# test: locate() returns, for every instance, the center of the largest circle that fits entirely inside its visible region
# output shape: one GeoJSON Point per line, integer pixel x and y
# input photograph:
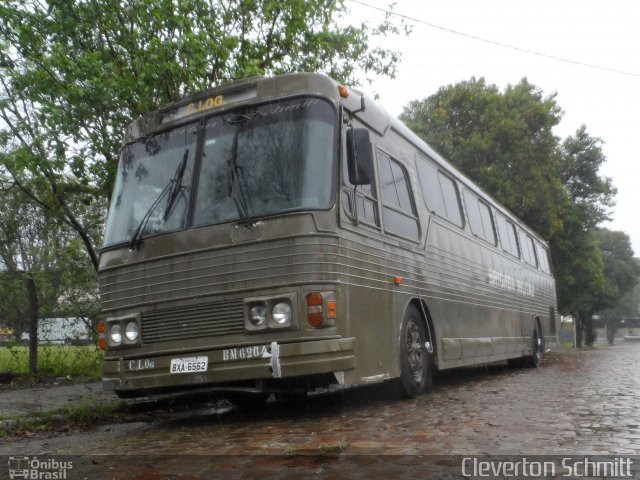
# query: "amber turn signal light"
{"type": "Point", "coordinates": [102, 341]}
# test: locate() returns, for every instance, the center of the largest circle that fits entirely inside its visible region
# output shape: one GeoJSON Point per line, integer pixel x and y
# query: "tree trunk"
{"type": "Point", "coordinates": [32, 295]}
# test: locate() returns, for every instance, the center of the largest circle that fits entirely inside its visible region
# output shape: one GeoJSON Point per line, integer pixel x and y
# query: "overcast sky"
{"type": "Point", "coordinates": [601, 33]}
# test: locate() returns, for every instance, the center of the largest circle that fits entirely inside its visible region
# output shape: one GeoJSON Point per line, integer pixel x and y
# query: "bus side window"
{"type": "Point", "coordinates": [543, 256]}
{"type": "Point", "coordinates": [528, 249]}
{"type": "Point", "coordinates": [508, 236]}
{"type": "Point", "coordinates": [365, 199]}
{"type": "Point", "coordinates": [398, 213]}
{"type": "Point", "coordinates": [480, 218]}
{"type": "Point", "coordinates": [439, 192]}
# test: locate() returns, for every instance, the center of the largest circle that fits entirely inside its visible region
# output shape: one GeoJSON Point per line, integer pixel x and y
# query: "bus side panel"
{"type": "Point", "coordinates": [483, 303]}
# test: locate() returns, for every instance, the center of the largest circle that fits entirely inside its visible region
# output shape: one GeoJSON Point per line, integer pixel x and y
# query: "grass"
{"type": "Point", "coordinates": [54, 361]}
{"type": "Point", "coordinates": [85, 415]}
{"type": "Point", "coordinates": [78, 362]}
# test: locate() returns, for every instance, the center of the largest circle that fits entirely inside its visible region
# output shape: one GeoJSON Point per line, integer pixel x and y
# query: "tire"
{"type": "Point", "coordinates": [415, 361]}
{"type": "Point", "coordinates": [533, 360]}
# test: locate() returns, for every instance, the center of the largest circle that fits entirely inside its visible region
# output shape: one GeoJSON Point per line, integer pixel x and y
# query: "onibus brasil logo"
{"type": "Point", "coordinates": [33, 468]}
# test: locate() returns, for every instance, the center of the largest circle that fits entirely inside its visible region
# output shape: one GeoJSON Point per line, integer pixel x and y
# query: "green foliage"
{"type": "Point", "coordinates": [579, 273]}
{"type": "Point", "coordinates": [55, 361]}
{"type": "Point", "coordinates": [87, 414]}
{"type": "Point", "coordinates": [621, 270]}
{"type": "Point", "coordinates": [629, 304]}
{"type": "Point", "coordinates": [590, 195]}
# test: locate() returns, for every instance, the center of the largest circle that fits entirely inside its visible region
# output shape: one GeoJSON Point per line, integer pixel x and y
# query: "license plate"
{"type": "Point", "coordinates": [245, 353]}
{"type": "Point", "coordinates": [189, 365]}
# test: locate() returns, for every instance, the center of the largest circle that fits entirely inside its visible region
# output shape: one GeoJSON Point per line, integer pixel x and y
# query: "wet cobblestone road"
{"type": "Point", "coordinates": [577, 403]}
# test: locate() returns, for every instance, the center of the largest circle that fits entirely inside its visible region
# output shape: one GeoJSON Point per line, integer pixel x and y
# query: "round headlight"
{"type": "Point", "coordinates": [131, 331]}
{"type": "Point", "coordinates": [281, 313]}
{"type": "Point", "coordinates": [115, 334]}
{"type": "Point", "coordinates": [258, 315]}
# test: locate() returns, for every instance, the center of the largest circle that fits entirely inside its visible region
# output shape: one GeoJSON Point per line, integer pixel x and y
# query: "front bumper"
{"type": "Point", "coordinates": [138, 376]}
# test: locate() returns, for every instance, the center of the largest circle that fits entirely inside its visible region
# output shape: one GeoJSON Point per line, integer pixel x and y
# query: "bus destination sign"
{"type": "Point", "coordinates": [208, 103]}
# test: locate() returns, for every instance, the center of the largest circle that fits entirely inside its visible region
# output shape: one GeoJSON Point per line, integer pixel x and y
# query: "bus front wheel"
{"type": "Point", "coordinates": [415, 365]}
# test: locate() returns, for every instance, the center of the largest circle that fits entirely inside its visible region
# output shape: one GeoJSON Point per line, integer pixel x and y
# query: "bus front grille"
{"type": "Point", "coordinates": [195, 321]}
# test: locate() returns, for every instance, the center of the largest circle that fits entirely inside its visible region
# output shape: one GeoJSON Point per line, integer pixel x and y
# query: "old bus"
{"type": "Point", "coordinates": [285, 234]}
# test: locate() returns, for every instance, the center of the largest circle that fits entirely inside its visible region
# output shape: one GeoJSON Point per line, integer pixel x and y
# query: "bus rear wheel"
{"type": "Point", "coordinates": [415, 365]}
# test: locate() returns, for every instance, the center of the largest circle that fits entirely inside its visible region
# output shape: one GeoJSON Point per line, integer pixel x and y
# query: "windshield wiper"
{"type": "Point", "coordinates": [239, 195]}
{"type": "Point", "coordinates": [172, 188]}
{"type": "Point", "coordinates": [175, 186]}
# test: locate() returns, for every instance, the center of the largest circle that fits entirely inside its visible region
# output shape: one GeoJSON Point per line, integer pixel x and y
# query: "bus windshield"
{"type": "Point", "coordinates": [253, 162]}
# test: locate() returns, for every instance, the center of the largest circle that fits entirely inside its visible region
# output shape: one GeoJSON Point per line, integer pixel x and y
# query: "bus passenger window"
{"type": "Point", "coordinates": [543, 256]}
{"type": "Point", "coordinates": [487, 221]}
{"type": "Point", "coordinates": [431, 191]}
{"type": "Point", "coordinates": [508, 237]}
{"type": "Point", "coordinates": [451, 200]}
{"type": "Point", "coordinates": [398, 215]}
{"type": "Point", "coordinates": [440, 192]}
{"type": "Point", "coordinates": [480, 218]}
{"type": "Point", "coordinates": [528, 249]}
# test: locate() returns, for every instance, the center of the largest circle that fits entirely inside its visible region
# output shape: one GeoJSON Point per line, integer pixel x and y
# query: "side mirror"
{"type": "Point", "coordinates": [359, 156]}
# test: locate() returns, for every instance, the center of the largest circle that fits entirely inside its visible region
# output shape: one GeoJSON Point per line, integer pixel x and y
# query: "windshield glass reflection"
{"type": "Point", "coordinates": [153, 186]}
{"type": "Point", "coordinates": [255, 162]}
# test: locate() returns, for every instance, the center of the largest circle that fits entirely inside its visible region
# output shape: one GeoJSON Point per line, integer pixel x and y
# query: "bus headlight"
{"type": "Point", "coordinates": [281, 313]}
{"type": "Point", "coordinates": [262, 314]}
{"type": "Point", "coordinates": [131, 331]}
{"type": "Point", "coordinates": [123, 331]}
{"type": "Point", "coordinates": [115, 334]}
{"type": "Point", "coordinates": [258, 316]}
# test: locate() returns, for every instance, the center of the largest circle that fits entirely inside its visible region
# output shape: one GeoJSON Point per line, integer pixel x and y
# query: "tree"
{"type": "Point", "coordinates": [627, 307]}
{"type": "Point", "coordinates": [42, 266]}
{"type": "Point", "coordinates": [590, 195]}
{"type": "Point", "coordinates": [504, 142]}
{"type": "Point", "coordinates": [580, 274]}
{"type": "Point", "coordinates": [620, 268]}
{"type": "Point", "coordinates": [21, 251]}
{"type": "Point", "coordinates": [621, 273]}
{"type": "Point", "coordinates": [74, 73]}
